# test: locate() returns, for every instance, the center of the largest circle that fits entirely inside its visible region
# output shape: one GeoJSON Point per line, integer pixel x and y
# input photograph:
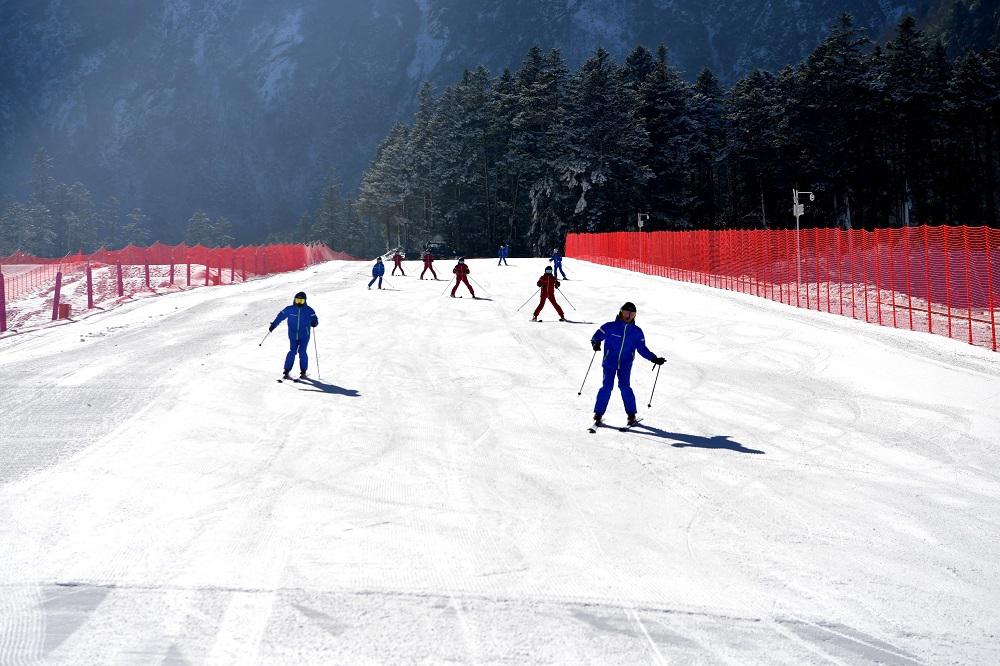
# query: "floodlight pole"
{"type": "Point", "coordinates": [798, 210]}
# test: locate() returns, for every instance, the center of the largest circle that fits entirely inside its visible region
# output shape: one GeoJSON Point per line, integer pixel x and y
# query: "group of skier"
{"type": "Point", "coordinates": [622, 338]}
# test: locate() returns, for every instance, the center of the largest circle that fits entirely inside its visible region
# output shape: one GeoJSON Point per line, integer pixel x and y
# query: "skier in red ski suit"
{"type": "Point", "coordinates": [428, 260]}
{"type": "Point", "coordinates": [398, 260]}
{"type": "Point", "coordinates": [461, 272]}
{"type": "Point", "coordinates": [549, 284]}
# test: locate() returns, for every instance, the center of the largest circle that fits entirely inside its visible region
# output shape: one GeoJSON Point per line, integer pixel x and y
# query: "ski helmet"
{"type": "Point", "coordinates": [628, 307]}
{"type": "Point", "coordinates": [300, 298]}
{"type": "Point", "coordinates": [461, 260]}
{"type": "Point", "coordinates": [548, 269]}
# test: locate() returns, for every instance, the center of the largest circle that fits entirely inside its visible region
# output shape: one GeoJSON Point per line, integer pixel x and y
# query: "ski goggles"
{"type": "Point", "coordinates": [299, 301]}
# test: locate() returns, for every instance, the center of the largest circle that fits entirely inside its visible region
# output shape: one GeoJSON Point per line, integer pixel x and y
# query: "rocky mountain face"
{"type": "Point", "coordinates": [242, 107]}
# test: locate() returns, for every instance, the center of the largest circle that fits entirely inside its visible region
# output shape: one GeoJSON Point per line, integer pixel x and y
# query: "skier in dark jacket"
{"type": "Point", "coordinates": [378, 270]}
{"type": "Point", "coordinates": [461, 272]}
{"type": "Point", "coordinates": [428, 264]}
{"type": "Point", "coordinates": [301, 320]}
{"type": "Point", "coordinates": [557, 264]}
{"type": "Point", "coordinates": [502, 254]}
{"type": "Point", "coordinates": [397, 259]}
{"type": "Point", "coordinates": [623, 339]}
{"type": "Point", "coordinates": [548, 284]}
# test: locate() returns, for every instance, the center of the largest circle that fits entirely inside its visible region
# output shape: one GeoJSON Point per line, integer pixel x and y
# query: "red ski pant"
{"type": "Point", "coordinates": [552, 299]}
{"type": "Point", "coordinates": [428, 267]}
{"type": "Point", "coordinates": [459, 281]}
{"type": "Point", "coordinates": [400, 269]}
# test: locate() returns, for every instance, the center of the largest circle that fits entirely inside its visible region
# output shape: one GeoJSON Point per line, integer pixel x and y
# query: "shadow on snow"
{"type": "Point", "coordinates": [322, 387]}
{"type": "Point", "coordinates": [683, 440]}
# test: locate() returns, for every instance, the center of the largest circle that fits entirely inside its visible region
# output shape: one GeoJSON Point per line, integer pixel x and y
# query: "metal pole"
{"type": "Point", "coordinates": [654, 386]}
{"type": "Point", "coordinates": [263, 338]}
{"type": "Point", "coordinates": [529, 298]}
{"type": "Point", "coordinates": [319, 375]}
{"type": "Point", "coordinates": [567, 299]}
{"type": "Point", "coordinates": [580, 392]}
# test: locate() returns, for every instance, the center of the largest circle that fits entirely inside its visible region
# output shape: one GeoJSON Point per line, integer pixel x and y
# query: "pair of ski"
{"type": "Point", "coordinates": [594, 426]}
{"type": "Point", "coordinates": [297, 380]}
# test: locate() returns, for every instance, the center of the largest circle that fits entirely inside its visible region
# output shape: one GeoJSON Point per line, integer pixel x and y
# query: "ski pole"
{"type": "Point", "coordinates": [529, 298]}
{"type": "Point", "coordinates": [479, 285]}
{"type": "Point", "coordinates": [567, 299]}
{"type": "Point", "coordinates": [448, 285]}
{"type": "Point", "coordinates": [580, 392]}
{"type": "Point", "coordinates": [654, 386]}
{"type": "Point", "coordinates": [261, 343]}
{"type": "Point", "coordinates": [319, 375]}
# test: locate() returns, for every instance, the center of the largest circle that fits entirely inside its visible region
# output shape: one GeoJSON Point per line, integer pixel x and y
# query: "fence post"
{"type": "Point", "coordinates": [145, 267]}
{"type": "Point", "coordinates": [909, 281]}
{"type": "Point", "coordinates": [171, 272]}
{"type": "Point", "coordinates": [878, 278]}
{"type": "Point", "coordinates": [947, 278]}
{"type": "Point", "coordinates": [989, 284]}
{"type": "Point", "coordinates": [90, 288]}
{"type": "Point", "coordinates": [121, 281]}
{"type": "Point", "coordinates": [927, 277]}
{"type": "Point", "coordinates": [3, 303]}
{"type": "Point", "coordinates": [968, 278]}
{"type": "Point", "coordinates": [55, 297]}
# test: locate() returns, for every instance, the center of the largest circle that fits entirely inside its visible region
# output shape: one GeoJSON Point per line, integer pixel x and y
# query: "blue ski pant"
{"type": "Point", "coordinates": [557, 270]}
{"type": "Point", "coordinates": [297, 347]}
{"type": "Point", "coordinates": [377, 277]}
{"type": "Point", "coordinates": [604, 395]}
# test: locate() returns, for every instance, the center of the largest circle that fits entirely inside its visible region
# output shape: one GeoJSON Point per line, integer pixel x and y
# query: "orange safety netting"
{"type": "Point", "coordinates": [118, 274]}
{"type": "Point", "coordinates": [944, 280]}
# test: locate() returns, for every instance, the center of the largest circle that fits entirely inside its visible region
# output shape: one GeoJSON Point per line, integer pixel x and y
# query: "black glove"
{"type": "Point", "coordinates": [270, 328]}
{"type": "Point", "coordinates": [314, 324]}
{"type": "Point", "coordinates": [596, 344]}
{"type": "Point", "coordinates": [659, 360]}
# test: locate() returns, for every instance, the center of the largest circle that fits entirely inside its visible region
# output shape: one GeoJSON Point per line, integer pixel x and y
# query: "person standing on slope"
{"type": "Point", "coordinates": [503, 253]}
{"type": "Point", "coordinates": [557, 264]}
{"type": "Point", "coordinates": [623, 339]}
{"type": "Point", "coordinates": [461, 272]}
{"type": "Point", "coordinates": [378, 270]}
{"type": "Point", "coordinates": [301, 320]}
{"type": "Point", "coordinates": [397, 259]}
{"type": "Point", "coordinates": [548, 284]}
{"type": "Point", "coordinates": [428, 264]}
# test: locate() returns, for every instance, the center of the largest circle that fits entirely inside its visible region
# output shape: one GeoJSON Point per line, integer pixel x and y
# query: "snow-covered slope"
{"type": "Point", "coordinates": [809, 489]}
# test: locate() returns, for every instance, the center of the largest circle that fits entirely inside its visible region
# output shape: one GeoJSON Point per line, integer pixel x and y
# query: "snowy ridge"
{"type": "Point", "coordinates": [432, 495]}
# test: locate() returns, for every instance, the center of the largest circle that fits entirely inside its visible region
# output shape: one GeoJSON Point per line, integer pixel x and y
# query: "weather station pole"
{"type": "Point", "coordinates": [640, 219]}
{"type": "Point", "coordinates": [798, 210]}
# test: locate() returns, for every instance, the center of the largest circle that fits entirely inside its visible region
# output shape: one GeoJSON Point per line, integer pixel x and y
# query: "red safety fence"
{"type": "Point", "coordinates": [944, 280]}
{"type": "Point", "coordinates": [111, 276]}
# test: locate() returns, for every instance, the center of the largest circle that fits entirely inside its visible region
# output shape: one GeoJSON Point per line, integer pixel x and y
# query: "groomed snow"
{"type": "Point", "coordinates": [809, 489]}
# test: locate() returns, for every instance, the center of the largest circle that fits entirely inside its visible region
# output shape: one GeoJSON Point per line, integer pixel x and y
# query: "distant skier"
{"type": "Point", "coordinates": [428, 264]}
{"type": "Point", "coordinates": [557, 264]}
{"type": "Point", "coordinates": [461, 272]}
{"type": "Point", "coordinates": [378, 270]}
{"type": "Point", "coordinates": [301, 319]}
{"type": "Point", "coordinates": [624, 339]}
{"type": "Point", "coordinates": [548, 284]}
{"type": "Point", "coordinates": [397, 259]}
{"type": "Point", "coordinates": [503, 253]}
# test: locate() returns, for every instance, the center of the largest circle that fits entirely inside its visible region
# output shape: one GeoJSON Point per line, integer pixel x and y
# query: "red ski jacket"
{"type": "Point", "coordinates": [428, 258]}
{"type": "Point", "coordinates": [549, 284]}
{"type": "Point", "coordinates": [398, 258]}
{"type": "Point", "coordinates": [461, 270]}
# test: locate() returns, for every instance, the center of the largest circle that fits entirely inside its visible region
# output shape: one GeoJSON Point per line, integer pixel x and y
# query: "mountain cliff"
{"type": "Point", "coordinates": [242, 107]}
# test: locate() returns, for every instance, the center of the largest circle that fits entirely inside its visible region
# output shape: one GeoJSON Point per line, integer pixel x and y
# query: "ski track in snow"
{"type": "Point", "coordinates": [805, 488]}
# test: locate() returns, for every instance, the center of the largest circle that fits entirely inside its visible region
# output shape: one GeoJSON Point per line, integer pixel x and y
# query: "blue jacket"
{"type": "Point", "coordinates": [300, 319]}
{"type": "Point", "coordinates": [556, 259]}
{"type": "Point", "coordinates": [378, 269]}
{"type": "Point", "coordinates": [622, 341]}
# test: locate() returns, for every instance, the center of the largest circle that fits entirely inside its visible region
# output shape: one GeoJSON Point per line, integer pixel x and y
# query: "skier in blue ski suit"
{"type": "Point", "coordinates": [503, 253]}
{"type": "Point", "coordinates": [378, 270]}
{"type": "Point", "coordinates": [301, 319]}
{"type": "Point", "coordinates": [557, 264]}
{"type": "Point", "coordinates": [623, 339]}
